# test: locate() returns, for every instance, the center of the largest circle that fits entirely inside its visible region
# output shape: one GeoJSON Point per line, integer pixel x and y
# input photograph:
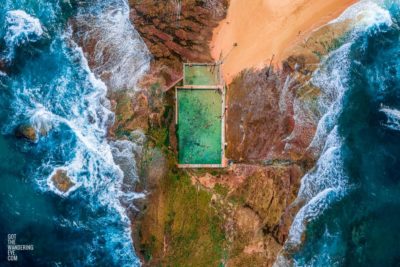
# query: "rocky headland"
{"type": "Point", "coordinates": [238, 216]}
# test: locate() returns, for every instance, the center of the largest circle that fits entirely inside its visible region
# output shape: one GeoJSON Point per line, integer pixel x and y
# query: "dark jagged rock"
{"type": "Point", "coordinates": [3, 66]}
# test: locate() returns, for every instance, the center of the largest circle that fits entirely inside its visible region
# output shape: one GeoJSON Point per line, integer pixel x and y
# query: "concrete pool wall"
{"type": "Point", "coordinates": [200, 117]}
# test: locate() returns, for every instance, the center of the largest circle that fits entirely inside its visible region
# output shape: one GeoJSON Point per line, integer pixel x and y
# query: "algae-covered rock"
{"type": "Point", "coordinates": [62, 181]}
{"type": "Point", "coordinates": [131, 112]}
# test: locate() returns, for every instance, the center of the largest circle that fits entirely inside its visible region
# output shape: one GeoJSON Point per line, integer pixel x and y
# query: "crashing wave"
{"type": "Point", "coordinates": [58, 95]}
{"type": "Point", "coordinates": [79, 113]}
{"type": "Point", "coordinates": [393, 118]}
{"type": "Point", "coordinates": [119, 56]}
{"type": "Point", "coordinates": [21, 28]}
{"type": "Point", "coordinates": [94, 167]}
{"type": "Point", "coordinates": [327, 183]}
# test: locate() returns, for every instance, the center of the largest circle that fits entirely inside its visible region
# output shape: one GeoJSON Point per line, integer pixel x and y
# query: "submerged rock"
{"type": "Point", "coordinates": [26, 131]}
{"type": "Point", "coordinates": [3, 67]}
{"type": "Point", "coordinates": [62, 181]}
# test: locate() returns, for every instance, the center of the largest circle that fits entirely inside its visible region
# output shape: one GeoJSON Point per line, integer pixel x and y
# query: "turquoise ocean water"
{"type": "Point", "coordinates": [46, 82]}
{"type": "Point", "coordinates": [352, 211]}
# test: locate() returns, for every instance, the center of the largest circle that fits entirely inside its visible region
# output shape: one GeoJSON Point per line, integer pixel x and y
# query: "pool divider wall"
{"type": "Point", "coordinates": [221, 88]}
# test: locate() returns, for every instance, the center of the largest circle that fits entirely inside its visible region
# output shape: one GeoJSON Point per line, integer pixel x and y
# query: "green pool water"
{"type": "Point", "coordinates": [199, 126]}
{"type": "Point", "coordinates": [202, 75]}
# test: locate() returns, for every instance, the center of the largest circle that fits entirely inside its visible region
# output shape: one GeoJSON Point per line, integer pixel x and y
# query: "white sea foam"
{"type": "Point", "coordinates": [365, 14]}
{"type": "Point", "coordinates": [127, 62]}
{"type": "Point", "coordinates": [320, 187]}
{"type": "Point", "coordinates": [92, 168]}
{"type": "Point", "coordinates": [393, 118]}
{"type": "Point", "coordinates": [120, 55]}
{"type": "Point", "coordinates": [327, 182]}
{"type": "Point", "coordinates": [123, 152]}
{"type": "Point", "coordinates": [332, 80]}
{"type": "Point", "coordinates": [105, 177]}
{"type": "Point", "coordinates": [72, 104]}
{"type": "Point", "coordinates": [20, 28]}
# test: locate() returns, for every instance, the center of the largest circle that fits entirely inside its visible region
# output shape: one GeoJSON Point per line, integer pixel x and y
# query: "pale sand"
{"type": "Point", "coordinates": [263, 28]}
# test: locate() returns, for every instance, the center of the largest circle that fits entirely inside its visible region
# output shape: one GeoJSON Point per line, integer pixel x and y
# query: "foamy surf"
{"type": "Point", "coordinates": [57, 94]}
{"type": "Point", "coordinates": [21, 28]}
{"type": "Point", "coordinates": [393, 118]}
{"type": "Point", "coordinates": [328, 182]}
{"type": "Point", "coordinates": [320, 188]}
{"type": "Point", "coordinates": [120, 56]}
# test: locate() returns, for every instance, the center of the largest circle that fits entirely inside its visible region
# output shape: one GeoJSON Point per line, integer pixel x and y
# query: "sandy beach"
{"type": "Point", "coordinates": [263, 29]}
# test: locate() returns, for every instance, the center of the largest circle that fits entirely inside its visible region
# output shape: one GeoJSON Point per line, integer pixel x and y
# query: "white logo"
{"type": "Point", "coordinates": [13, 247]}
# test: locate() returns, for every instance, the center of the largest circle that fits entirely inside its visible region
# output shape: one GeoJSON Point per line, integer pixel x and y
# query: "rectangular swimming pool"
{"type": "Point", "coordinates": [200, 126]}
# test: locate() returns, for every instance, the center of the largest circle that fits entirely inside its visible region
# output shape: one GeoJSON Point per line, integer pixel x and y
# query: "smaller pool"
{"type": "Point", "coordinates": [201, 74]}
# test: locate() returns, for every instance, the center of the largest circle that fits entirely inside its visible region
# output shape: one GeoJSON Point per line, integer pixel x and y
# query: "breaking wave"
{"type": "Point", "coordinates": [54, 91]}
{"type": "Point", "coordinates": [119, 55]}
{"type": "Point", "coordinates": [328, 182]}
{"type": "Point", "coordinates": [393, 118]}
{"type": "Point", "coordinates": [21, 28]}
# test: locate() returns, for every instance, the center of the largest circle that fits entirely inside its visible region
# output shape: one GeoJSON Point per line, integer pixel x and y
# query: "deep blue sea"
{"type": "Point", "coordinates": [45, 82]}
{"type": "Point", "coordinates": [352, 211]}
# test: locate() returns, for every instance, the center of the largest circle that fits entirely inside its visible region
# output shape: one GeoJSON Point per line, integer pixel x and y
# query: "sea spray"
{"type": "Point", "coordinates": [21, 28]}
{"type": "Point", "coordinates": [328, 183]}
{"type": "Point", "coordinates": [119, 57]}
{"type": "Point", "coordinates": [51, 87]}
{"type": "Point", "coordinates": [393, 118]}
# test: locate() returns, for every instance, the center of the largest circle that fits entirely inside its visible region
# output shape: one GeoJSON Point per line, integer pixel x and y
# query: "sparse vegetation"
{"type": "Point", "coordinates": [180, 226]}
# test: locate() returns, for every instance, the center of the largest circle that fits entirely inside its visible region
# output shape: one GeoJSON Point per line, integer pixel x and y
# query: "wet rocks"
{"type": "Point", "coordinates": [177, 31]}
{"type": "Point", "coordinates": [61, 181]}
{"type": "Point", "coordinates": [114, 50]}
{"type": "Point", "coordinates": [132, 112]}
{"type": "Point", "coordinates": [27, 132]}
{"type": "Point", "coordinates": [260, 116]}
